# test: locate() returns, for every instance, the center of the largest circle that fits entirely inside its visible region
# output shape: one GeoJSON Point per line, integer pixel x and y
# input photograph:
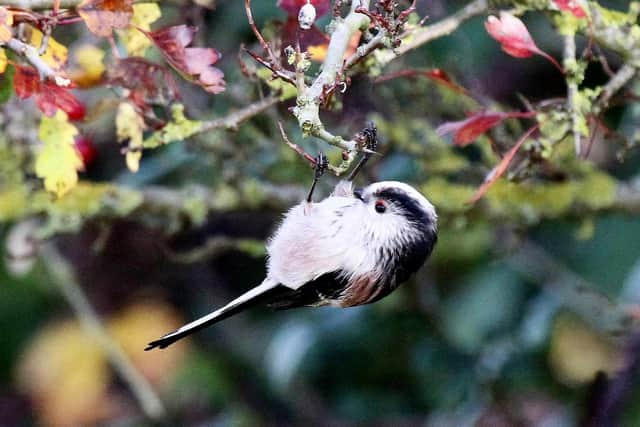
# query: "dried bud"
{"type": "Point", "coordinates": [307, 16]}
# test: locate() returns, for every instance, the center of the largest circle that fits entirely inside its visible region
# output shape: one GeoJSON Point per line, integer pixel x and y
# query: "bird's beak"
{"type": "Point", "coordinates": [357, 193]}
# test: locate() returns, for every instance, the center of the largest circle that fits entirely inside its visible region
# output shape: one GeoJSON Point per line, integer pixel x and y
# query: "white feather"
{"type": "Point", "coordinates": [266, 285]}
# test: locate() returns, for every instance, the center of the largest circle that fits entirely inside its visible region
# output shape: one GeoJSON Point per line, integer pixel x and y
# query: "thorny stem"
{"type": "Point", "coordinates": [572, 90]}
{"type": "Point", "coordinates": [63, 276]}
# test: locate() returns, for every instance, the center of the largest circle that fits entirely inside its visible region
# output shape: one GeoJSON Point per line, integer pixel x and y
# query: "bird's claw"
{"type": "Point", "coordinates": [367, 140]}
{"type": "Point", "coordinates": [322, 164]}
{"type": "Point", "coordinates": [369, 135]}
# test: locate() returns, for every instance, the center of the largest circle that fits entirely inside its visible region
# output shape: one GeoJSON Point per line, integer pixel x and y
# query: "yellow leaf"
{"type": "Point", "coordinates": [129, 126]}
{"type": "Point", "coordinates": [3, 61]}
{"type": "Point", "coordinates": [56, 54]}
{"type": "Point", "coordinates": [143, 15]}
{"type": "Point", "coordinates": [577, 353]}
{"type": "Point", "coordinates": [58, 161]}
{"type": "Point", "coordinates": [89, 60]}
{"type": "Point", "coordinates": [6, 21]}
{"type": "Point", "coordinates": [135, 324]}
{"type": "Point", "coordinates": [65, 371]}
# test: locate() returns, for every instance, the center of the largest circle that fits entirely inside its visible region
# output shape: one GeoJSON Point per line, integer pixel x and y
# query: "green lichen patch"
{"type": "Point", "coordinates": [178, 129]}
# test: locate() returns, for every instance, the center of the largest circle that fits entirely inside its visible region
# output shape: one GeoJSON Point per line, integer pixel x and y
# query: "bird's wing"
{"type": "Point", "coordinates": [324, 290]}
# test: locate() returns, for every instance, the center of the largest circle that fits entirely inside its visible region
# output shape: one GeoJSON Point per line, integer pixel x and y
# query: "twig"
{"type": "Point", "coordinates": [337, 170]}
{"type": "Point", "coordinates": [233, 120]}
{"type": "Point", "coordinates": [295, 147]}
{"type": "Point", "coordinates": [212, 247]}
{"type": "Point", "coordinates": [40, 4]}
{"type": "Point", "coordinates": [365, 49]}
{"type": "Point", "coordinates": [64, 278]}
{"type": "Point", "coordinates": [278, 72]}
{"type": "Point", "coordinates": [418, 37]}
{"type": "Point", "coordinates": [273, 64]}
{"type": "Point", "coordinates": [617, 82]}
{"type": "Point", "coordinates": [31, 54]}
{"type": "Point", "coordinates": [254, 28]}
{"type": "Point", "coordinates": [572, 89]}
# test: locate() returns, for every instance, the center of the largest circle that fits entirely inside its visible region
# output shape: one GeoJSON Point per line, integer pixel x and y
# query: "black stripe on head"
{"type": "Point", "coordinates": [411, 207]}
{"type": "Point", "coordinates": [412, 256]}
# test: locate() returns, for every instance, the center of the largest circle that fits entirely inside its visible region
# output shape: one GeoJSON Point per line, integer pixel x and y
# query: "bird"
{"type": "Point", "coordinates": [354, 247]}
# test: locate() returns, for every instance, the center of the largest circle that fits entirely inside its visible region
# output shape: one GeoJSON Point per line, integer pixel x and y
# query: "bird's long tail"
{"type": "Point", "coordinates": [265, 292]}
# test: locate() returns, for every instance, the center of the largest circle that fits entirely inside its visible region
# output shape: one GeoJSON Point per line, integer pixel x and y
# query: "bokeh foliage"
{"type": "Point", "coordinates": [530, 293]}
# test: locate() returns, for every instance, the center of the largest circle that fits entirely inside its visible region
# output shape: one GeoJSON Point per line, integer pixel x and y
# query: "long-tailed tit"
{"type": "Point", "coordinates": [352, 248]}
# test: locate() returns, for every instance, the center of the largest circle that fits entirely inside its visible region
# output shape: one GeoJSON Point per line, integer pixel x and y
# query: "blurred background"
{"type": "Point", "coordinates": [522, 317]}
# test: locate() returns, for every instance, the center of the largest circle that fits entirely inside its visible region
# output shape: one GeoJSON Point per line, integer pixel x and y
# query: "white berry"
{"type": "Point", "coordinates": [306, 16]}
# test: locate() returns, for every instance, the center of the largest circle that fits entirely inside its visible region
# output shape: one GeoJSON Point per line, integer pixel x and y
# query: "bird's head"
{"type": "Point", "coordinates": [399, 220]}
{"type": "Point", "coordinates": [392, 205]}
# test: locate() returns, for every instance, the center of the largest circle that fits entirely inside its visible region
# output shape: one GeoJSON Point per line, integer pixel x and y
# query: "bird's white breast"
{"type": "Point", "coordinates": [318, 238]}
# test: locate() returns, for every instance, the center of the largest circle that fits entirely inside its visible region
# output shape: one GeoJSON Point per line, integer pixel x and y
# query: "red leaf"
{"type": "Point", "coordinates": [512, 34]}
{"type": "Point", "coordinates": [103, 16]}
{"type": "Point", "coordinates": [48, 95]}
{"type": "Point", "coordinates": [150, 81]}
{"type": "Point", "coordinates": [467, 131]}
{"type": "Point", "coordinates": [571, 6]}
{"type": "Point", "coordinates": [194, 63]}
{"type": "Point", "coordinates": [499, 170]}
{"type": "Point", "coordinates": [439, 76]}
{"type": "Point", "coordinates": [292, 7]}
{"type": "Point", "coordinates": [436, 74]}
{"type": "Point", "coordinates": [26, 82]}
{"type": "Point", "coordinates": [514, 37]}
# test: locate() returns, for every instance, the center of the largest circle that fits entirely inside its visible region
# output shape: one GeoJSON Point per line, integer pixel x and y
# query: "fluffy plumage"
{"type": "Point", "coordinates": [349, 249]}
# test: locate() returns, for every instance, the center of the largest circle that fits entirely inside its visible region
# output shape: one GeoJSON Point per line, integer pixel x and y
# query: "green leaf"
{"type": "Point", "coordinates": [6, 84]}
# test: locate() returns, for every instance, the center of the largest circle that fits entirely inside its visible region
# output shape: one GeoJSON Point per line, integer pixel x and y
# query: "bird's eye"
{"type": "Point", "coordinates": [380, 206]}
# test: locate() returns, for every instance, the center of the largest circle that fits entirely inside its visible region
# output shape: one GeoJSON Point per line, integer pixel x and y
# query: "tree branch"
{"type": "Point", "coordinates": [32, 55]}
{"type": "Point", "coordinates": [63, 277]}
{"type": "Point", "coordinates": [40, 4]}
{"type": "Point", "coordinates": [420, 36]}
{"type": "Point", "coordinates": [234, 119]}
{"type": "Point", "coordinates": [617, 82]}
{"type": "Point", "coordinates": [572, 89]}
{"type": "Point", "coordinates": [307, 109]}
{"type": "Point", "coordinates": [49, 4]}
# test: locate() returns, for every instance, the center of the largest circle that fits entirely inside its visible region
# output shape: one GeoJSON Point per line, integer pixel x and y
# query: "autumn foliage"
{"type": "Point", "coordinates": [153, 146]}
